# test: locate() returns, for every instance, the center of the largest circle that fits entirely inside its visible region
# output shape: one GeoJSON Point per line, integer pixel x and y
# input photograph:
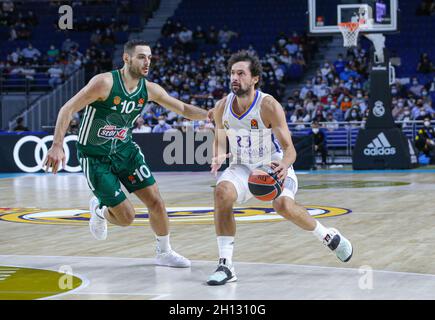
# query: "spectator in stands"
{"type": "Point", "coordinates": [141, 126]}
{"type": "Point", "coordinates": [186, 125]}
{"type": "Point", "coordinates": [52, 54]}
{"type": "Point", "coordinates": [13, 34]}
{"type": "Point", "coordinates": [415, 87]}
{"type": "Point", "coordinates": [68, 44]}
{"type": "Point", "coordinates": [23, 31]}
{"type": "Point", "coordinates": [348, 74]}
{"type": "Point", "coordinates": [353, 116]}
{"type": "Point", "coordinates": [185, 38]}
{"type": "Point", "coordinates": [300, 115]}
{"type": "Point", "coordinates": [212, 35]}
{"type": "Point", "coordinates": [319, 141]}
{"type": "Point", "coordinates": [339, 64]}
{"type": "Point", "coordinates": [29, 72]}
{"type": "Point", "coordinates": [31, 19]}
{"type": "Point", "coordinates": [162, 126]}
{"type": "Point", "coordinates": [168, 28]}
{"type": "Point", "coordinates": [345, 104]}
{"type": "Point", "coordinates": [425, 65]}
{"type": "Point", "coordinates": [20, 125]}
{"type": "Point", "coordinates": [73, 65]}
{"type": "Point", "coordinates": [405, 117]}
{"type": "Point", "coordinates": [108, 37]}
{"type": "Point", "coordinates": [336, 112]}
{"type": "Point", "coordinates": [199, 36]}
{"type": "Point", "coordinates": [425, 139]}
{"type": "Point", "coordinates": [318, 116]}
{"type": "Point", "coordinates": [31, 54]}
{"type": "Point", "coordinates": [305, 89]}
{"type": "Point", "coordinates": [292, 47]}
{"type": "Point", "coordinates": [96, 37]}
{"type": "Point", "coordinates": [327, 71]}
{"type": "Point", "coordinates": [225, 35]}
{"type": "Point", "coordinates": [105, 62]}
{"type": "Point", "coordinates": [15, 57]}
{"type": "Point", "coordinates": [56, 74]}
{"type": "Point", "coordinates": [332, 124]}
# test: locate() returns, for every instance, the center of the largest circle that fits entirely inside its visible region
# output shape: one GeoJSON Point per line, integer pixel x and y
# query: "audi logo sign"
{"type": "Point", "coordinates": [41, 145]}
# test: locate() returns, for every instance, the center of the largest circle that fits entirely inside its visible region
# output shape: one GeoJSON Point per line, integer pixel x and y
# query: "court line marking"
{"type": "Point", "coordinates": [236, 263]}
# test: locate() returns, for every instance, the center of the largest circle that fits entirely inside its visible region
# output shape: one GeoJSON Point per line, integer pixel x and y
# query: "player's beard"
{"type": "Point", "coordinates": [240, 92]}
{"type": "Point", "coordinates": [134, 71]}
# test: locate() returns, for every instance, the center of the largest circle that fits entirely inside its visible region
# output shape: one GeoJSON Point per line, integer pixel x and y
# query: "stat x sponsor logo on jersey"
{"type": "Point", "coordinates": [112, 132]}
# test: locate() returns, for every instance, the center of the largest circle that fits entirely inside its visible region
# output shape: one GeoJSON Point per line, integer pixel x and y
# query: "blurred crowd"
{"type": "Point", "coordinates": [203, 80]}
{"type": "Point", "coordinates": [340, 92]}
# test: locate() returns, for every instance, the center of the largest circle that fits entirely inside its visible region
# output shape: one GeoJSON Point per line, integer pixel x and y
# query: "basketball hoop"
{"type": "Point", "coordinates": [350, 31]}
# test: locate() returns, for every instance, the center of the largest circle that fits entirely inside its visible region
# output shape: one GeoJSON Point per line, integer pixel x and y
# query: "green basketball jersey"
{"type": "Point", "coordinates": [106, 126]}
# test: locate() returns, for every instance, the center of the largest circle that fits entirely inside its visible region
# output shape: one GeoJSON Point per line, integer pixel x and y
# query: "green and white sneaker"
{"type": "Point", "coordinates": [338, 244]}
{"type": "Point", "coordinates": [223, 274]}
{"type": "Point", "coordinates": [97, 223]}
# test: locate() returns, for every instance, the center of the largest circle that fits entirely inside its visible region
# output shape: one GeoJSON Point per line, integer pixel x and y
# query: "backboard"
{"type": "Point", "coordinates": [374, 16]}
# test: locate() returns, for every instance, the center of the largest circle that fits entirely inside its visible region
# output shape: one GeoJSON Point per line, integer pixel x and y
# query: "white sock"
{"type": "Point", "coordinates": [226, 246]}
{"type": "Point", "coordinates": [320, 231]}
{"type": "Point", "coordinates": [163, 244]}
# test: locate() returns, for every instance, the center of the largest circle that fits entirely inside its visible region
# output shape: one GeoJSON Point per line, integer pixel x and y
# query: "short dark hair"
{"type": "Point", "coordinates": [255, 65]}
{"type": "Point", "coordinates": [132, 44]}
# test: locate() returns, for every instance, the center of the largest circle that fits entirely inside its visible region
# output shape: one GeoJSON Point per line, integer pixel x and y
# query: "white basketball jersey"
{"type": "Point", "coordinates": [251, 142]}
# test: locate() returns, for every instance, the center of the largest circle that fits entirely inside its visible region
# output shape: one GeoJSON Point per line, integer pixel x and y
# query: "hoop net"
{"type": "Point", "coordinates": [350, 31]}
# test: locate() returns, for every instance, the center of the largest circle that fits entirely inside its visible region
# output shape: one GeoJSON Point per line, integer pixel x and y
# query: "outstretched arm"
{"type": "Point", "coordinates": [97, 89]}
{"type": "Point", "coordinates": [220, 139]}
{"type": "Point", "coordinates": [157, 94]}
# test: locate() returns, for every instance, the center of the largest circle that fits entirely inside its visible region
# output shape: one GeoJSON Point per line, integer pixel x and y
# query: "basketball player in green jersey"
{"type": "Point", "coordinates": [107, 154]}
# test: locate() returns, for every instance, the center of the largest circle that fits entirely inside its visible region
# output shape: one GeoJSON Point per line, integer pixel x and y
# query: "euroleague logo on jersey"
{"type": "Point", "coordinates": [117, 100]}
{"type": "Point", "coordinates": [112, 132]}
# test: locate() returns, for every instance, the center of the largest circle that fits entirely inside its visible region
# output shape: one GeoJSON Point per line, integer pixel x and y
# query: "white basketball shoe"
{"type": "Point", "coordinates": [97, 223]}
{"type": "Point", "coordinates": [223, 274]}
{"type": "Point", "coordinates": [342, 247]}
{"type": "Point", "coordinates": [172, 259]}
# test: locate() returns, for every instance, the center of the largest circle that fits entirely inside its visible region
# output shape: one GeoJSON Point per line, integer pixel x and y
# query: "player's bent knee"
{"type": "Point", "coordinates": [286, 207]}
{"type": "Point", "coordinates": [225, 193]}
{"type": "Point", "coordinates": [124, 213]}
{"type": "Point", "coordinates": [156, 205]}
{"type": "Point", "coordinates": [126, 218]}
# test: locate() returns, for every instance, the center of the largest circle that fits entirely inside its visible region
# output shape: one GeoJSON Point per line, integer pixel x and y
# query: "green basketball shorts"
{"type": "Point", "coordinates": [105, 173]}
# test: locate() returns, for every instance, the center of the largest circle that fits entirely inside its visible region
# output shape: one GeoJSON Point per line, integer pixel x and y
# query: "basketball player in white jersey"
{"type": "Point", "coordinates": [240, 116]}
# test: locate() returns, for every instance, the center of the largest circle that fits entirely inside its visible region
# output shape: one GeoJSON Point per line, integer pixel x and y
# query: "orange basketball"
{"type": "Point", "coordinates": [264, 184]}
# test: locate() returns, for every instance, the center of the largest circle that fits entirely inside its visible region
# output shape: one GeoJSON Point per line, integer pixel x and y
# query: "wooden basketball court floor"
{"type": "Point", "coordinates": [388, 215]}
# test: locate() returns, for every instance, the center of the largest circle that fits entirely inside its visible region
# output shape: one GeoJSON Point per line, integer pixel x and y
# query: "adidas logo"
{"type": "Point", "coordinates": [379, 147]}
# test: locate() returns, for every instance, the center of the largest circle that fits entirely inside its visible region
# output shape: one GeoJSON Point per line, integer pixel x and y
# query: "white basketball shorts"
{"type": "Point", "coordinates": [238, 175]}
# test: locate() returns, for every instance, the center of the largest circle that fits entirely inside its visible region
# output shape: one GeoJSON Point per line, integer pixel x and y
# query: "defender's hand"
{"type": "Point", "coordinates": [216, 162]}
{"type": "Point", "coordinates": [210, 114]}
{"type": "Point", "coordinates": [55, 156]}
